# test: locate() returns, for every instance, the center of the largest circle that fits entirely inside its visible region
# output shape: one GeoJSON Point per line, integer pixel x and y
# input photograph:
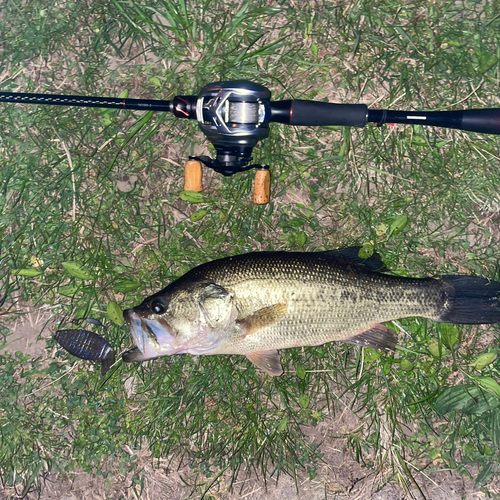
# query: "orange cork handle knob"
{"type": "Point", "coordinates": [262, 186]}
{"type": "Point", "coordinates": [193, 176]}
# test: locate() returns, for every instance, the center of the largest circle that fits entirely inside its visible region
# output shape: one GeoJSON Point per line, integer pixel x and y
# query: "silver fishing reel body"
{"type": "Point", "coordinates": [234, 116]}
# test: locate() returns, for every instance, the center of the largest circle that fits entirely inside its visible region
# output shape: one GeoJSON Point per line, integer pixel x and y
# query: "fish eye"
{"type": "Point", "coordinates": [158, 306]}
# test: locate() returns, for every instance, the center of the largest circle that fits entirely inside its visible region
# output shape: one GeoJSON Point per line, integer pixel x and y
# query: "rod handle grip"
{"type": "Point", "coordinates": [262, 186]}
{"type": "Point", "coordinates": [318, 113]}
{"type": "Point", "coordinates": [193, 176]}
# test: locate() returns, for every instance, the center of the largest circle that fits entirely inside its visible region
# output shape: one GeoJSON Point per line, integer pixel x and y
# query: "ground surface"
{"type": "Point", "coordinates": [332, 188]}
{"type": "Point", "coordinates": [338, 477]}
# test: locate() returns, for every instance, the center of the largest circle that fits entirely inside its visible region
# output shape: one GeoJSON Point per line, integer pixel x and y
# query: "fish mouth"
{"type": "Point", "coordinates": [155, 338]}
{"type": "Point", "coordinates": [133, 321]}
{"type": "Point", "coordinates": [152, 337]}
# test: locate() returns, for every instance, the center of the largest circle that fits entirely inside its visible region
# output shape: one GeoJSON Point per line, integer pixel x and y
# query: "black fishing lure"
{"type": "Point", "coordinates": [87, 345]}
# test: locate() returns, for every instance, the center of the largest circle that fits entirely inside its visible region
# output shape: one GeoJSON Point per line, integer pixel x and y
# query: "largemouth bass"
{"type": "Point", "coordinates": [257, 303]}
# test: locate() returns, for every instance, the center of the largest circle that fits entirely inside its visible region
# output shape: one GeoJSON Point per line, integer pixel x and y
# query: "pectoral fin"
{"type": "Point", "coordinates": [262, 318]}
{"type": "Point", "coordinates": [269, 361]}
{"type": "Point", "coordinates": [378, 337]}
{"type": "Point", "coordinates": [134, 355]}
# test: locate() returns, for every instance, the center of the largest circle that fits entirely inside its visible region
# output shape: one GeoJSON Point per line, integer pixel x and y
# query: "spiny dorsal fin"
{"type": "Point", "coordinates": [378, 337]}
{"type": "Point", "coordinates": [374, 263]}
{"type": "Point", "coordinates": [269, 361]}
{"type": "Point", "coordinates": [263, 317]}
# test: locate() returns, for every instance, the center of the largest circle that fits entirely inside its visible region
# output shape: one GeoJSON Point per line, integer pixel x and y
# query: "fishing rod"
{"type": "Point", "coordinates": [236, 115]}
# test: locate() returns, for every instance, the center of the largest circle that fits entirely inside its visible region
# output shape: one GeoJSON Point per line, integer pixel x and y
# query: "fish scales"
{"type": "Point", "coordinates": [255, 304]}
{"type": "Point", "coordinates": [327, 300]}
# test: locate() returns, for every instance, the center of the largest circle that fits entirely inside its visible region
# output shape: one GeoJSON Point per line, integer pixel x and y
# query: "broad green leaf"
{"type": "Point", "coordinates": [486, 474]}
{"type": "Point", "coordinates": [366, 251]}
{"type": "Point", "coordinates": [484, 403]}
{"type": "Point", "coordinates": [192, 197]}
{"type": "Point", "coordinates": [489, 384]}
{"type": "Point", "coordinates": [223, 217]}
{"type": "Point", "coordinates": [115, 313]}
{"type": "Point", "coordinates": [123, 95]}
{"type": "Point", "coordinates": [106, 120]}
{"type": "Point", "coordinates": [397, 225]}
{"type": "Point", "coordinates": [76, 270]}
{"type": "Point", "coordinates": [155, 81]}
{"type": "Point", "coordinates": [486, 61]}
{"type": "Point", "coordinates": [469, 398]}
{"type": "Point", "coordinates": [128, 284]}
{"type": "Point", "coordinates": [282, 425]}
{"type": "Point", "coordinates": [28, 271]}
{"type": "Point", "coordinates": [371, 354]}
{"type": "Point", "coordinates": [484, 360]}
{"type": "Point", "coordinates": [198, 215]}
{"type": "Point", "coordinates": [296, 222]}
{"type": "Point", "coordinates": [449, 334]}
{"type": "Point", "coordinates": [301, 372]}
{"type": "Point", "coordinates": [455, 398]}
{"type": "Point", "coordinates": [406, 365]}
{"type": "Point", "coordinates": [302, 239]}
{"type": "Point", "coordinates": [314, 49]}
{"type": "Point", "coordinates": [416, 140]}
{"type": "Point", "coordinates": [381, 229]}
{"type": "Point", "coordinates": [433, 347]}
{"type": "Point", "coordinates": [68, 290]}
{"type": "Point", "coordinates": [304, 400]}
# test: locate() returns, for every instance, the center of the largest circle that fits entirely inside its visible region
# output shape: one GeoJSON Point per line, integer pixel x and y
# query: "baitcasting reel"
{"type": "Point", "coordinates": [235, 116]}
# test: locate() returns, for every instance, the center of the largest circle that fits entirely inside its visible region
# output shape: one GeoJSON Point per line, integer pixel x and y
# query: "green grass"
{"type": "Point", "coordinates": [60, 202]}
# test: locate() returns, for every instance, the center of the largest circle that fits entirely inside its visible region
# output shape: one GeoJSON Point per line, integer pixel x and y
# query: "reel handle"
{"type": "Point", "coordinates": [193, 176]}
{"type": "Point", "coordinates": [262, 186]}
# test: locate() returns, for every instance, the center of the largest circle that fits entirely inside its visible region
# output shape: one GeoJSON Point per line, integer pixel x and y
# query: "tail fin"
{"type": "Point", "coordinates": [471, 301]}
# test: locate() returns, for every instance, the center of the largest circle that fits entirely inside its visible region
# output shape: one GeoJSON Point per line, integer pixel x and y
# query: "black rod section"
{"type": "Point", "coordinates": [486, 121]}
{"type": "Point", "coordinates": [88, 102]}
{"type": "Point", "coordinates": [291, 112]}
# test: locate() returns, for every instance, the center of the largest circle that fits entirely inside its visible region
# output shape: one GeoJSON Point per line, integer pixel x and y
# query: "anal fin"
{"type": "Point", "coordinates": [269, 361]}
{"type": "Point", "coordinates": [262, 318]}
{"type": "Point", "coordinates": [379, 337]}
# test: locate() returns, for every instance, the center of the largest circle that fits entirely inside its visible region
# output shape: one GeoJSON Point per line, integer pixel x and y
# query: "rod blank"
{"type": "Point", "coordinates": [87, 102]}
